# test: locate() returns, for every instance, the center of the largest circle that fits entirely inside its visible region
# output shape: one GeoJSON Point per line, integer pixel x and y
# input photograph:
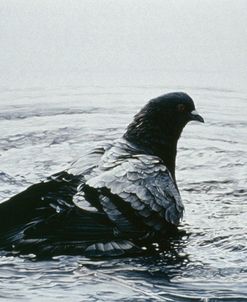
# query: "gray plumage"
{"type": "Point", "coordinates": [115, 200]}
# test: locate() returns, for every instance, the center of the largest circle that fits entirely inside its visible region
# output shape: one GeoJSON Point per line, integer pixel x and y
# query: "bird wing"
{"type": "Point", "coordinates": [139, 186]}
{"type": "Point", "coordinates": [45, 212]}
{"type": "Point", "coordinates": [95, 209]}
{"type": "Point", "coordinates": [37, 203]}
{"type": "Point", "coordinates": [55, 194]}
{"type": "Point", "coordinates": [44, 220]}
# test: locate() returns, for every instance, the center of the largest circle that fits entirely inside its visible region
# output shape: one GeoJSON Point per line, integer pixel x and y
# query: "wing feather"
{"type": "Point", "coordinates": [143, 182]}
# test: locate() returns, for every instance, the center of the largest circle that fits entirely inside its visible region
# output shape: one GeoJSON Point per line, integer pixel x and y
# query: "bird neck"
{"type": "Point", "coordinates": [158, 141]}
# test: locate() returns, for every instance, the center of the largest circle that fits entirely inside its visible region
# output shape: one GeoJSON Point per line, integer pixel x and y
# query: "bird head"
{"type": "Point", "coordinates": [172, 111]}
{"type": "Point", "coordinates": [164, 117]}
{"type": "Point", "coordinates": [159, 124]}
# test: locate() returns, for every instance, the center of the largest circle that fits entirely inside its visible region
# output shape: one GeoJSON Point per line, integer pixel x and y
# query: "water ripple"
{"type": "Point", "coordinates": [208, 262]}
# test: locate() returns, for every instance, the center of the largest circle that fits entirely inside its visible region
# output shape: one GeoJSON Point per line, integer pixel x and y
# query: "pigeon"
{"type": "Point", "coordinates": [117, 200]}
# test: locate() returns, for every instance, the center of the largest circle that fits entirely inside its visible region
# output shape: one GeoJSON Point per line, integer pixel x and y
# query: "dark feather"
{"type": "Point", "coordinates": [113, 200]}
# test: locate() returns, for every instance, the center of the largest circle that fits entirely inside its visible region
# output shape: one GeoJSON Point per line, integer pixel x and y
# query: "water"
{"type": "Point", "coordinates": [43, 129]}
{"type": "Point", "coordinates": [72, 74]}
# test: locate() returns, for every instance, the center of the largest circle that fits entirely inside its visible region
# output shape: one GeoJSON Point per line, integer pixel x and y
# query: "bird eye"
{"type": "Point", "coordinates": [181, 107]}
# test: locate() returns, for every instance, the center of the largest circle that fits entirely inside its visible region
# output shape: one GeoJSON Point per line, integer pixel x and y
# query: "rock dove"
{"type": "Point", "coordinates": [115, 201]}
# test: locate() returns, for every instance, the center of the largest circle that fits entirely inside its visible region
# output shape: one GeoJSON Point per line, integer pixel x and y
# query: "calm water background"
{"type": "Point", "coordinates": [73, 75]}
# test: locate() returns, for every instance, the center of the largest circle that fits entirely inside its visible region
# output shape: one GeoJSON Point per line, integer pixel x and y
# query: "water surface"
{"type": "Point", "coordinates": [43, 130]}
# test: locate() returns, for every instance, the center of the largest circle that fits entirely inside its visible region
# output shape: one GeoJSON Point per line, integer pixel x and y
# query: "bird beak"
{"type": "Point", "coordinates": [195, 116]}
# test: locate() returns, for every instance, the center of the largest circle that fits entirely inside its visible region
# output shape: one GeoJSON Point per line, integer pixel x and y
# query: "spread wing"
{"type": "Point", "coordinates": [54, 195]}
{"type": "Point", "coordinates": [138, 186]}
{"type": "Point", "coordinates": [44, 220]}
{"type": "Point", "coordinates": [98, 207]}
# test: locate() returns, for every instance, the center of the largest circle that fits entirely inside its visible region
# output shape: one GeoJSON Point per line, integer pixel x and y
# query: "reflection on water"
{"type": "Point", "coordinates": [44, 130]}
